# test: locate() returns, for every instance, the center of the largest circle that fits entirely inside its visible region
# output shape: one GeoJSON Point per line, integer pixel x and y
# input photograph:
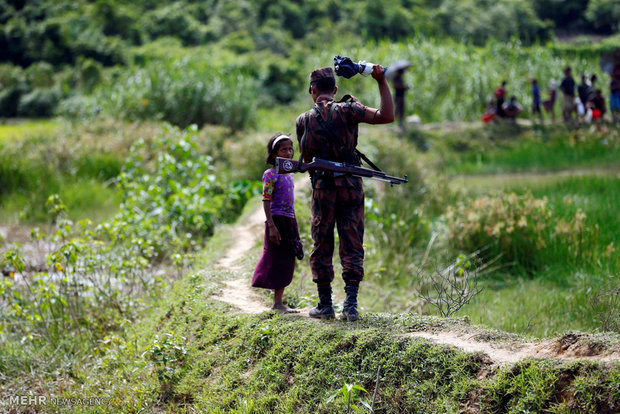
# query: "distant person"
{"type": "Point", "coordinates": [614, 94]}
{"type": "Point", "coordinates": [536, 101]}
{"type": "Point", "coordinates": [596, 106]}
{"type": "Point", "coordinates": [549, 103]}
{"type": "Point", "coordinates": [593, 80]}
{"type": "Point", "coordinates": [400, 87]}
{"type": "Point", "coordinates": [512, 109]}
{"type": "Point", "coordinates": [490, 114]}
{"type": "Point", "coordinates": [584, 90]}
{"type": "Point", "coordinates": [567, 86]}
{"type": "Point", "coordinates": [500, 97]}
{"type": "Point", "coordinates": [276, 265]}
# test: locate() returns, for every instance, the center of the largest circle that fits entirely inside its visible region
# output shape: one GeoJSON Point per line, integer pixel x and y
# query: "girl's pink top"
{"type": "Point", "coordinates": [279, 190]}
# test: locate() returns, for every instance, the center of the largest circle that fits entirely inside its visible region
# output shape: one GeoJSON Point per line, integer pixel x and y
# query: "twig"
{"type": "Point", "coordinates": [374, 394]}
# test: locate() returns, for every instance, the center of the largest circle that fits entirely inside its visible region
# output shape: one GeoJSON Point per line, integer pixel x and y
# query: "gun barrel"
{"type": "Point", "coordinates": [285, 166]}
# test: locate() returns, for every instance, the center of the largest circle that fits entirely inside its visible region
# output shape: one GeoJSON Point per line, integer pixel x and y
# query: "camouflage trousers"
{"type": "Point", "coordinates": [342, 207]}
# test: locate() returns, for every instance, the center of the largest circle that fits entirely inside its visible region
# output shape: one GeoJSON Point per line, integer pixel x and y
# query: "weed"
{"type": "Point", "coordinates": [350, 394]}
{"type": "Point", "coordinates": [454, 286]}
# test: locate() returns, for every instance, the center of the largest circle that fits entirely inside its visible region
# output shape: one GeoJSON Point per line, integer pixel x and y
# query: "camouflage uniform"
{"type": "Point", "coordinates": [337, 200]}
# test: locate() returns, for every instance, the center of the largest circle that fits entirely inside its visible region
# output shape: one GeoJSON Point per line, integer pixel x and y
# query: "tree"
{"type": "Point", "coordinates": [604, 15]}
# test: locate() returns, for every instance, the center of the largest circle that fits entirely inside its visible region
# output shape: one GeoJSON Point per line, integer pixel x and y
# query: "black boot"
{"type": "Point", "coordinates": [349, 309]}
{"type": "Point", "coordinates": [324, 309]}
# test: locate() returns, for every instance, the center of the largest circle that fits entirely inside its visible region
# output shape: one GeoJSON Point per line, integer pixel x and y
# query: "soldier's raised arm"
{"type": "Point", "coordinates": [385, 113]}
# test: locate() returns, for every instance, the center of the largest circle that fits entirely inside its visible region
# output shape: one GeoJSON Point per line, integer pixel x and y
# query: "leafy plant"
{"type": "Point", "coordinates": [351, 395]}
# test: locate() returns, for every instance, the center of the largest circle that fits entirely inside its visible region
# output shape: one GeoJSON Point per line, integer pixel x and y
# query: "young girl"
{"type": "Point", "coordinates": [277, 263]}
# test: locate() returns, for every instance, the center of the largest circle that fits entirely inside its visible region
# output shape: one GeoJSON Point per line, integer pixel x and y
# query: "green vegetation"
{"type": "Point", "coordinates": [497, 150]}
{"type": "Point", "coordinates": [190, 352]}
{"type": "Point", "coordinates": [170, 61]}
{"type": "Point", "coordinates": [113, 214]}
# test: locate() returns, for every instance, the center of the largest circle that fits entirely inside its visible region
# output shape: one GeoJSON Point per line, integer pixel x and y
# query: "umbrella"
{"type": "Point", "coordinates": [391, 70]}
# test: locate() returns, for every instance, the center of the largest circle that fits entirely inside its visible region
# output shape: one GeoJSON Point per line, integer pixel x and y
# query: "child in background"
{"type": "Point", "coordinates": [277, 263]}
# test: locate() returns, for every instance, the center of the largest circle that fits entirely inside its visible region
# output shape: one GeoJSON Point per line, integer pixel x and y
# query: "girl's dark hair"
{"type": "Point", "coordinates": [271, 159]}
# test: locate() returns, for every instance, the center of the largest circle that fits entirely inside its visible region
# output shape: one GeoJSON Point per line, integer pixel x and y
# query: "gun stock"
{"type": "Point", "coordinates": [285, 166]}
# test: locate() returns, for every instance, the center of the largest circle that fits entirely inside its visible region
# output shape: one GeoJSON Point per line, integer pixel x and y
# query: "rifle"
{"type": "Point", "coordinates": [285, 166]}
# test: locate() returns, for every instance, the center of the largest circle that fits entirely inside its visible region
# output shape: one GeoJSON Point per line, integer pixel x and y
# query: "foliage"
{"type": "Point", "coordinates": [604, 15]}
{"type": "Point", "coordinates": [165, 355]}
{"type": "Point", "coordinates": [350, 394]}
{"type": "Point", "coordinates": [97, 279]}
{"type": "Point", "coordinates": [502, 20]}
{"type": "Point", "coordinates": [518, 229]}
{"type": "Point", "coordinates": [84, 289]}
{"type": "Point", "coordinates": [174, 201]}
{"type": "Point", "coordinates": [233, 368]}
{"type": "Point", "coordinates": [183, 93]}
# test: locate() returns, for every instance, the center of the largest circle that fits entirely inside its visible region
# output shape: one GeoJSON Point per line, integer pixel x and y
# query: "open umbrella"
{"type": "Point", "coordinates": [395, 67]}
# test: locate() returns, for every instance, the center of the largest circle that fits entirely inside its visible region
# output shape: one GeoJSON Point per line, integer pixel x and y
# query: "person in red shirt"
{"type": "Point", "coordinates": [500, 97]}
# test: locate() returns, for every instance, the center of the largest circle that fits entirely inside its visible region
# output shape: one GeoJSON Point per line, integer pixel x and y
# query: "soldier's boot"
{"type": "Point", "coordinates": [324, 309]}
{"type": "Point", "coordinates": [349, 309]}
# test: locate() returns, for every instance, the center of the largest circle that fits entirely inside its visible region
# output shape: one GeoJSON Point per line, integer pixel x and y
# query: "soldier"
{"type": "Point", "coordinates": [329, 131]}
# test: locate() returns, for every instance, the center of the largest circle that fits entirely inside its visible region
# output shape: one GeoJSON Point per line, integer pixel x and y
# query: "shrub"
{"type": "Point", "coordinates": [79, 107]}
{"type": "Point", "coordinates": [12, 86]}
{"type": "Point", "coordinates": [172, 199]}
{"type": "Point", "coordinates": [172, 20]}
{"type": "Point", "coordinates": [604, 15]}
{"type": "Point", "coordinates": [38, 103]}
{"type": "Point", "coordinates": [40, 75]}
{"type": "Point", "coordinates": [517, 229]}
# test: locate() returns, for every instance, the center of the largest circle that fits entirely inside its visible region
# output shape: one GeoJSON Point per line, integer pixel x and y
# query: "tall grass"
{"type": "Point", "coordinates": [183, 92]}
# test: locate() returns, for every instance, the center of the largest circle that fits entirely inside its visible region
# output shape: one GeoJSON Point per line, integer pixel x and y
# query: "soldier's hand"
{"type": "Point", "coordinates": [378, 73]}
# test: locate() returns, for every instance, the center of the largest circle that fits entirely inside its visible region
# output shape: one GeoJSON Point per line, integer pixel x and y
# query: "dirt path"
{"type": "Point", "coordinates": [567, 347]}
{"type": "Point", "coordinates": [238, 293]}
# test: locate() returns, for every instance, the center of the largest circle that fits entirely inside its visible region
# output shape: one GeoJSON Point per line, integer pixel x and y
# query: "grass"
{"type": "Point", "coordinates": [188, 352]}
{"type": "Point", "coordinates": [496, 151]}
{"type": "Point", "coordinates": [18, 129]}
{"type": "Point", "coordinates": [228, 362]}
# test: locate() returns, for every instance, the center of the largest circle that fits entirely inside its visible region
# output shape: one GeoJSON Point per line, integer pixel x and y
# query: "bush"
{"type": "Point", "coordinates": [79, 107]}
{"type": "Point", "coordinates": [476, 21]}
{"type": "Point", "coordinates": [517, 229]}
{"type": "Point", "coordinates": [604, 15]}
{"type": "Point", "coordinates": [172, 20]}
{"type": "Point", "coordinates": [38, 103]}
{"type": "Point", "coordinates": [171, 196]}
{"type": "Point", "coordinates": [89, 73]}
{"type": "Point", "coordinates": [12, 86]}
{"type": "Point", "coordinates": [40, 75]}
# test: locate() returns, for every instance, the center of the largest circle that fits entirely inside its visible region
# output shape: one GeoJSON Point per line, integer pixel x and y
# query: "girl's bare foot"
{"type": "Point", "coordinates": [283, 308]}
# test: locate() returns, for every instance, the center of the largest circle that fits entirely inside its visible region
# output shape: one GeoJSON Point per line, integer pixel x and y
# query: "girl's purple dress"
{"type": "Point", "coordinates": [277, 263]}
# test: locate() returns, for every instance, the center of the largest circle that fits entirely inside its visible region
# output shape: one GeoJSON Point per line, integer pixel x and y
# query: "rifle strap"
{"type": "Point", "coordinates": [367, 161]}
{"type": "Point", "coordinates": [302, 141]}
